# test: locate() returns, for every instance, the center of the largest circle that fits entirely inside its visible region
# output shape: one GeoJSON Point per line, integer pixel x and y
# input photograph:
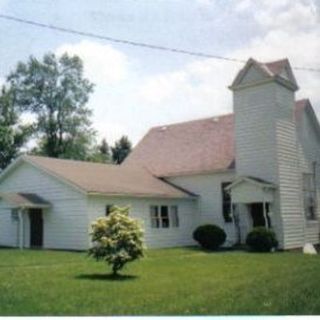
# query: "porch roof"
{"type": "Point", "coordinates": [24, 200]}
{"type": "Point", "coordinates": [250, 190]}
{"type": "Point", "coordinates": [252, 180]}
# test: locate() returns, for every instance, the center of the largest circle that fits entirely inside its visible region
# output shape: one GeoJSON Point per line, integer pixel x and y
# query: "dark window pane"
{"type": "Point", "coordinates": [165, 223]}
{"type": "Point", "coordinates": [164, 212]}
{"type": "Point", "coordinates": [164, 216]}
{"type": "Point", "coordinates": [309, 196]}
{"type": "Point", "coordinates": [108, 209]}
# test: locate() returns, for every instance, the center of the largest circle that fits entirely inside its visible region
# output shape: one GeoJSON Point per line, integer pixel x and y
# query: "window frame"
{"type": "Point", "coordinates": [14, 215]}
{"type": "Point", "coordinates": [162, 216]}
{"type": "Point", "coordinates": [309, 196]}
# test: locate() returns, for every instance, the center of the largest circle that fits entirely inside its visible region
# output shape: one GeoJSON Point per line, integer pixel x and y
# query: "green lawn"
{"type": "Point", "coordinates": [166, 282]}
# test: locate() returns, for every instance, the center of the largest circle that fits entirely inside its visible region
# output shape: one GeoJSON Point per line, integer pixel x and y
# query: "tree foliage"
{"type": "Point", "coordinates": [117, 239]}
{"type": "Point", "coordinates": [121, 149]}
{"type": "Point", "coordinates": [101, 153]}
{"type": "Point", "coordinates": [13, 135]}
{"type": "Point", "coordinates": [55, 91]}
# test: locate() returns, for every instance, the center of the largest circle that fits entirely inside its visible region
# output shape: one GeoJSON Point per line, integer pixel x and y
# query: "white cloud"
{"type": "Point", "coordinates": [205, 2]}
{"type": "Point", "coordinates": [102, 63]}
{"type": "Point", "coordinates": [201, 86]}
{"type": "Point", "coordinates": [125, 102]}
{"type": "Point", "coordinates": [293, 17]}
{"type": "Point", "coordinates": [108, 69]}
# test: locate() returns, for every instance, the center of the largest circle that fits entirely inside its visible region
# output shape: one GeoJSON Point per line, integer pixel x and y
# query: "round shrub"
{"type": "Point", "coordinates": [209, 236]}
{"type": "Point", "coordinates": [261, 239]}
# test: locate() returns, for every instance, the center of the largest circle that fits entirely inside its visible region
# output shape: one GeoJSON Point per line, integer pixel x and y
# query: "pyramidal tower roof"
{"type": "Point", "coordinates": [255, 72]}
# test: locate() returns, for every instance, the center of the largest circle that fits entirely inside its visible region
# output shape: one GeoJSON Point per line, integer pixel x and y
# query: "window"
{"type": "Point", "coordinates": [164, 216]}
{"type": "Point", "coordinates": [226, 202]}
{"type": "Point", "coordinates": [14, 215]}
{"type": "Point", "coordinates": [309, 196]}
{"type": "Point", "coordinates": [108, 209]}
{"type": "Point", "coordinates": [155, 219]}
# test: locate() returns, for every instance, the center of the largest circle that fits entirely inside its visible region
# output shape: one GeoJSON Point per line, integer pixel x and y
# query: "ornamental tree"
{"type": "Point", "coordinates": [117, 239]}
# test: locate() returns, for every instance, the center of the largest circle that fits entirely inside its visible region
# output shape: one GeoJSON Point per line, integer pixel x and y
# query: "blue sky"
{"type": "Point", "coordinates": [137, 88]}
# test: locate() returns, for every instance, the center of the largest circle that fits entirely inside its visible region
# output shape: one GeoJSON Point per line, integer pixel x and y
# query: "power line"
{"type": "Point", "coordinates": [133, 43]}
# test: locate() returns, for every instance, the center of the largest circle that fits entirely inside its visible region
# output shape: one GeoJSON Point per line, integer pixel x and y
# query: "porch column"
{"type": "Point", "coordinates": [265, 215]}
{"type": "Point", "coordinates": [21, 228]}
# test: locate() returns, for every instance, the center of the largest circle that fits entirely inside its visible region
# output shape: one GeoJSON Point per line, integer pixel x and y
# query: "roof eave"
{"type": "Point", "coordinates": [195, 172]}
{"type": "Point", "coordinates": [141, 195]}
{"type": "Point", "coordinates": [252, 181]}
{"type": "Point", "coordinates": [288, 84]}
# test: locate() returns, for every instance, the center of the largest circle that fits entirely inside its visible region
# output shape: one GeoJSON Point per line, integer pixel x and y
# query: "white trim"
{"type": "Point", "coordinates": [11, 167]}
{"type": "Point", "coordinates": [252, 181]}
{"type": "Point", "coordinates": [141, 195]}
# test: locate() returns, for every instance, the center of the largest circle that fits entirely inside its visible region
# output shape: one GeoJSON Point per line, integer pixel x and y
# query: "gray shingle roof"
{"type": "Point", "coordinates": [199, 146]}
{"type": "Point", "coordinates": [97, 178]}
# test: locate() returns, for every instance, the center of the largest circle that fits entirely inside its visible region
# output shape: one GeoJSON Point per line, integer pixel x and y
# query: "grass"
{"type": "Point", "coordinates": [183, 281]}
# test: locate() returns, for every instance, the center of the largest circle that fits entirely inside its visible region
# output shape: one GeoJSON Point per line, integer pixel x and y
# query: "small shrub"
{"type": "Point", "coordinates": [261, 239]}
{"type": "Point", "coordinates": [209, 236]}
{"type": "Point", "coordinates": [117, 239]}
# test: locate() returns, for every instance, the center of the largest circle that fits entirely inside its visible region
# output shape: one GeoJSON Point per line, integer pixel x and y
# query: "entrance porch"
{"type": "Point", "coordinates": [27, 210]}
{"type": "Point", "coordinates": [252, 201]}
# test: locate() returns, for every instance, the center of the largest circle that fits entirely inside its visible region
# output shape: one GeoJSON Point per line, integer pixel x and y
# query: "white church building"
{"type": "Point", "coordinates": [259, 166]}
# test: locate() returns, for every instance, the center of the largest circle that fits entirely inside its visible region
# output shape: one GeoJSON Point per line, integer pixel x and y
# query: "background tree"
{"type": "Point", "coordinates": [101, 153]}
{"type": "Point", "coordinates": [117, 239]}
{"type": "Point", "coordinates": [55, 91]}
{"type": "Point", "coordinates": [121, 149]}
{"type": "Point", "coordinates": [13, 135]}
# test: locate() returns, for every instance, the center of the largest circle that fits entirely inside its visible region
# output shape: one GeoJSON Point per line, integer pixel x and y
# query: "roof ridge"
{"type": "Point", "coordinates": [191, 121]}
{"type": "Point", "coordinates": [27, 156]}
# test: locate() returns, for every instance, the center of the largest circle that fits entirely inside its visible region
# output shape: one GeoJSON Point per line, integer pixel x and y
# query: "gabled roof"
{"type": "Point", "coordinates": [199, 146]}
{"type": "Point", "coordinates": [279, 71]}
{"type": "Point", "coordinates": [24, 200]}
{"type": "Point", "coordinates": [96, 178]}
{"type": "Point", "coordinates": [253, 180]}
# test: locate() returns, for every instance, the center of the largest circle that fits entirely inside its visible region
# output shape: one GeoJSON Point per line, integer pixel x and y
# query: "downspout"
{"type": "Point", "coordinates": [21, 228]}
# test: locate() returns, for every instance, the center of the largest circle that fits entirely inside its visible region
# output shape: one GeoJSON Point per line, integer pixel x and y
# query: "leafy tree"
{"type": "Point", "coordinates": [101, 153]}
{"type": "Point", "coordinates": [117, 239]}
{"type": "Point", "coordinates": [104, 148]}
{"type": "Point", "coordinates": [55, 91]}
{"type": "Point", "coordinates": [121, 149]}
{"type": "Point", "coordinates": [13, 135]}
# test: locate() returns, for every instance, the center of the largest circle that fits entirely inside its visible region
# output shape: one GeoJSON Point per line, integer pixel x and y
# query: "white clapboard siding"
{"type": "Point", "coordinates": [8, 228]}
{"type": "Point", "coordinates": [309, 152]}
{"type": "Point", "coordinates": [254, 109]}
{"type": "Point", "coordinates": [65, 223]}
{"type": "Point", "coordinates": [208, 187]}
{"type": "Point", "coordinates": [140, 209]}
{"type": "Point", "coordinates": [290, 187]}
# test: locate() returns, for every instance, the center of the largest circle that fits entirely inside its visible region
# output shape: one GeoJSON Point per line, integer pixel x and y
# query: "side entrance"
{"type": "Point", "coordinates": [36, 228]}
